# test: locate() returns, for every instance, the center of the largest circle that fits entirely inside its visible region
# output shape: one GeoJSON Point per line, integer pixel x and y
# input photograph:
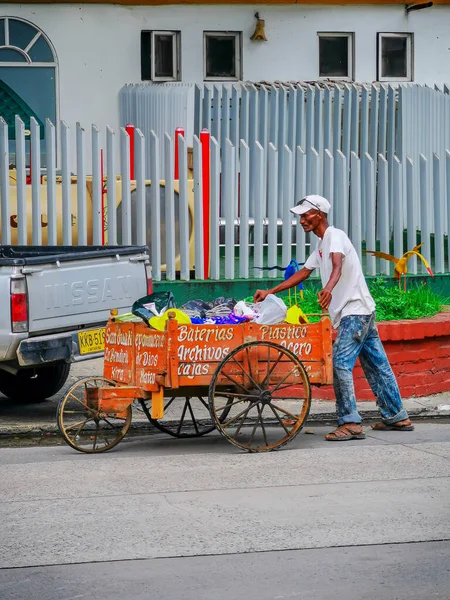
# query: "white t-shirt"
{"type": "Point", "coordinates": [351, 295]}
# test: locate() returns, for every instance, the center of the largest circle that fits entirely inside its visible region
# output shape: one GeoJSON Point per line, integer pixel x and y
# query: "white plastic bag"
{"type": "Point", "coordinates": [270, 311]}
{"type": "Point", "coordinates": [243, 310]}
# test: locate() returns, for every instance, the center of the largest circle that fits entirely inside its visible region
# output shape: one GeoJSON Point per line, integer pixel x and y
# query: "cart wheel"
{"type": "Point", "coordinates": [188, 419]}
{"type": "Point", "coordinates": [269, 400]}
{"type": "Point", "coordinates": [84, 427]}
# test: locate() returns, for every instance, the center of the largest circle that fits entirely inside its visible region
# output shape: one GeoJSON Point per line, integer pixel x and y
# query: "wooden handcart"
{"type": "Point", "coordinates": [250, 382]}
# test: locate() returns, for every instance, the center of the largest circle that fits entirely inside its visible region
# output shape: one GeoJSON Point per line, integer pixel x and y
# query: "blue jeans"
{"type": "Point", "coordinates": [358, 337]}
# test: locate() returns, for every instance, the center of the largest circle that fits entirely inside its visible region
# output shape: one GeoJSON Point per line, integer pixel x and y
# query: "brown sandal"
{"type": "Point", "coordinates": [346, 432]}
{"type": "Point", "coordinates": [408, 426]}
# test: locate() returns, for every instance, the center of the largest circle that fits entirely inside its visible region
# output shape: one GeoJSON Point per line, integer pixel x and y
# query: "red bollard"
{"type": "Point", "coordinates": [130, 130]}
{"type": "Point", "coordinates": [206, 181]}
{"type": "Point", "coordinates": [178, 131]}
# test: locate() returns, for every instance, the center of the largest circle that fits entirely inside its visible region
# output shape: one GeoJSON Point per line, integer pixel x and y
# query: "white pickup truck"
{"type": "Point", "coordinates": [56, 301]}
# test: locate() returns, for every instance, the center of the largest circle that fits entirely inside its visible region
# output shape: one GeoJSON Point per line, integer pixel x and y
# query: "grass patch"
{"type": "Point", "coordinates": [392, 303]}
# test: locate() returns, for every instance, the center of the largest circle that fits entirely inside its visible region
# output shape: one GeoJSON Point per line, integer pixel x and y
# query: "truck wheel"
{"type": "Point", "coordinates": [34, 384]}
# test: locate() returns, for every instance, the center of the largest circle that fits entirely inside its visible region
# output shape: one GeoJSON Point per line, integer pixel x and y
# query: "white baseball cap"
{"type": "Point", "coordinates": [313, 201]}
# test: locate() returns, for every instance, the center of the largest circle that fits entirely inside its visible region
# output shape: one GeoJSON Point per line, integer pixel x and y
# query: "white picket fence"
{"type": "Point", "coordinates": [371, 200]}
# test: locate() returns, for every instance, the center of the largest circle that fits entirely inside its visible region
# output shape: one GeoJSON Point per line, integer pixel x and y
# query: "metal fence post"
{"type": "Point", "coordinates": [327, 119]}
{"type": "Point", "coordinates": [260, 186]}
{"type": "Point", "coordinates": [411, 212]}
{"type": "Point", "coordinates": [244, 217]}
{"type": "Point", "coordinates": [370, 215]}
{"type": "Point", "coordinates": [346, 122]}
{"type": "Point", "coordinates": [383, 211]}
{"type": "Point", "coordinates": [300, 192]}
{"type": "Point", "coordinates": [228, 206]}
{"type": "Point", "coordinates": [328, 181]}
{"type": "Point", "coordinates": [215, 208]}
{"type": "Point", "coordinates": [169, 207]}
{"type": "Point", "coordinates": [288, 202]}
{"type": "Point", "coordinates": [355, 200]}
{"type": "Point", "coordinates": [50, 147]}
{"type": "Point", "coordinates": [272, 210]}
{"type": "Point", "coordinates": [198, 210]}
{"type": "Point", "coordinates": [340, 191]}
{"type": "Point", "coordinates": [35, 174]}
{"type": "Point", "coordinates": [21, 183]}
{"type": "Point", "coordinates": [126, 192]}
{"type": "Point", "coordinates": [4, 182]}
{"type": "Point", "coordinates": [184, 209]}
{"type": "Point", "coordinates": [66, 183]}
{"type": "Point", "coordinates": [396, 207]}
{"type": "Point", "coordinates": [81, 186]}
{"type": "Point", "coordinates": [111, 187]}
{"type": "Point", "coordinates": [438, 217]}
{"type": "Point", "coordinates": [139, 169]}
{"type": "Point", "coordinates": [425, 201]}
{"type": "Point", "coordinates": [97, 188]}
{"type": "Point", "coordinates": [155, 206]}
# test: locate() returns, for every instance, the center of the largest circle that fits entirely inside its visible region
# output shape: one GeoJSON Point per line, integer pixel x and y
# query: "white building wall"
{"type": "Point", "coordinates": [98, 46]}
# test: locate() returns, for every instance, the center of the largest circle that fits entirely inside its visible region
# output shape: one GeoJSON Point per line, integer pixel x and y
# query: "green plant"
{"type": "Point", "coordinates": [391, 302]}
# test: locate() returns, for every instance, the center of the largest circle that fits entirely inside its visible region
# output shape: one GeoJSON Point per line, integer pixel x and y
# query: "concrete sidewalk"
{"type": "Point", "coordinates": [40, 418]}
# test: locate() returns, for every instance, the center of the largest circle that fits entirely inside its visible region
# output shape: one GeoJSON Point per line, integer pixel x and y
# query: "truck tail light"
{"type": "Point", "coordinates": [19, 306]}
{"type": "Point", "coordinates": [148, 271]}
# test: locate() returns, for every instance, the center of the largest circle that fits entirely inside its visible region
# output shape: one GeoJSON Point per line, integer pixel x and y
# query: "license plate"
{"type": "Point", "coordinates": [91, 341]}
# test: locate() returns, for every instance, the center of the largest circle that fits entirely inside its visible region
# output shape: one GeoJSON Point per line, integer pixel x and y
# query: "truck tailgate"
{"type": "Point", "coordinates": [64, 295]}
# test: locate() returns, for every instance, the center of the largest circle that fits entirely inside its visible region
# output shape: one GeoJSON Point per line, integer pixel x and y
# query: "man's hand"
{"type": "Point", "coordinates": [324, 297]}
{"type": "Point", "coordinates": [260, 295]}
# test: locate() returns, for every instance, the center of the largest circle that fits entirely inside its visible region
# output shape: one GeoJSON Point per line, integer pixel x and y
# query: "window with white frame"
{"type": "Point", "coordinates": [395, 52]}
{"type": "Point", "coordinates": [222, 55]}
{"type": "Point", "coordinates": [160, 55]}
{"type": "Point", "coordinates": [336, 55]}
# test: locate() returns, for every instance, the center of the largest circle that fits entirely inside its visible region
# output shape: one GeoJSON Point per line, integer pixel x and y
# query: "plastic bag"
{"type": "Point", "coordinates": [154, 305]}
{"type": "Point", "coordinates": [270, 311]}
{"type": "Point", "coordinates": [243, 310]}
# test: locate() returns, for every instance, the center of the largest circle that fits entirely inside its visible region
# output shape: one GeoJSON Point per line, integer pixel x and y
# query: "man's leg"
{"type": "Point", "coordinates": [381, 378]}
{"type": "Point", "coordinates": [351, 333]}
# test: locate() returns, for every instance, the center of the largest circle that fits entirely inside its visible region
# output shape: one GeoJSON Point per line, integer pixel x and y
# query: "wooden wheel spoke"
{"type": "Point", "coordinates": [203, 402]}
{"type": "Point", "coordinates": [283, 380]}
{"type": "Point", "coordinates": [234, 395]}
{"type": "Point", "coordinates": [80, 429]}
{"type": "Point", "coordinates": [287, 386]}
{"type": "Point", "coordinates": [254, 430]}
{"type": "Point", "coordinates": [169, 403]}
{"type": "Point", "coordinates": [96, 435]}
{"type": "Point", "coordinates": [249, 375]}
{"type": "Point", "coordinates": [236, 417]}
{"type": "Point", "coordinates": [296, 398]}
{"type": "Point", "coordinates": [269, 372]}
{"type": "Point", "coordinates": [230, 405]}
{"type": "Point", "coordinates": [286, 412]}
{"type": "Point", "coordinates": [260, 410]}
{"type": "Point", "coordinates": [241, 422]}
{"type": "Point", "coordinates": [279, 420]}
{"type": "Point", "coordinates": [113, 427]}
{"type": "Point", "coordinates": [69, 427]}
{"type": "Point", "coordinates": [193, 417]}
{"type": "Point", "coordinates": [183, 414]}
{"type": "Point", "coordinates": [235, 382]}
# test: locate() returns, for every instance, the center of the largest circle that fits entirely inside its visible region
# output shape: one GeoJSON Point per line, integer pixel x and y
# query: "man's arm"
{"type": "Point", "coordinates": [293, 281]}
{"type": "Point", "coordinates": [325, 295]}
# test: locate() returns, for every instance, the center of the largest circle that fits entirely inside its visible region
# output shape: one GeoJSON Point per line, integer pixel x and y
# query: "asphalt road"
{"type": "Point", "coordinates": [197, 519]}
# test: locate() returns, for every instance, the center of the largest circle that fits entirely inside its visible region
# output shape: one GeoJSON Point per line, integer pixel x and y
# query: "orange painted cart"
{"type": "Point", "coordinates": [250, 382]}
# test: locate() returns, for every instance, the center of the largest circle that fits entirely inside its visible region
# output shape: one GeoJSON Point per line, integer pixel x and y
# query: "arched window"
{"type": "Point", "coordinates": [28, 74]}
